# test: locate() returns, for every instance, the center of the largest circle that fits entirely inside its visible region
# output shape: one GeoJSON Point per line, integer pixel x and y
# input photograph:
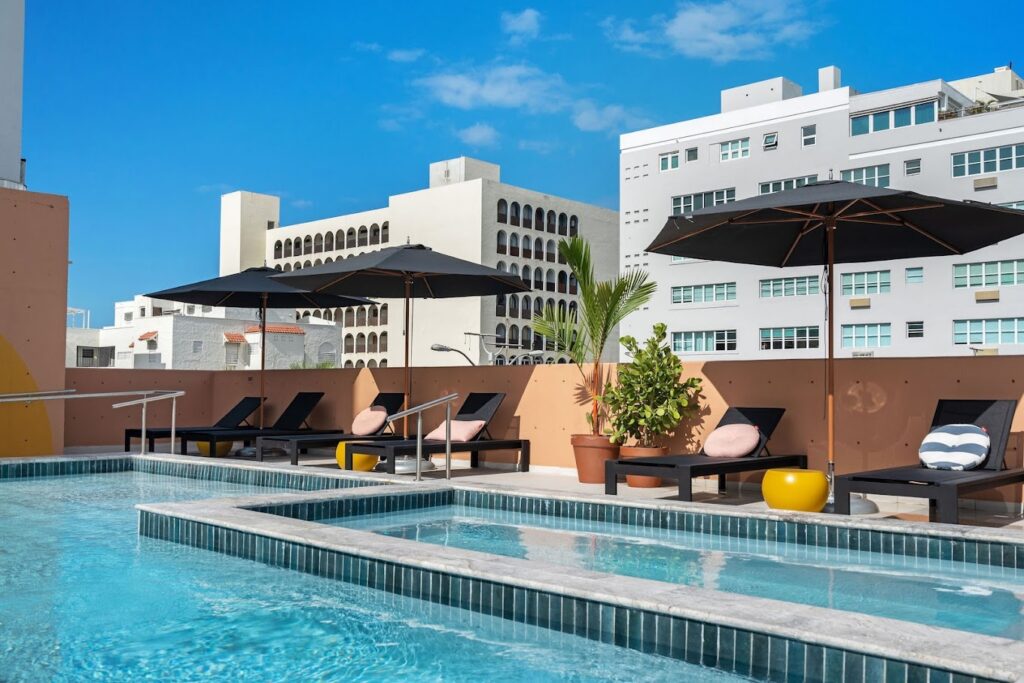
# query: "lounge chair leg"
{"type": "Point", "coordinates": [841, 504]}
{"type": "Point", "coordinates": [152, 445]}
{"type": "Point", "coordinates": [611, 478]}
{"type": "Point", "coordinates": [184, 446]}
{"type": "Point", "coordinates": [945, 507]}
{"type": "Point", "coordinates": [348, 458]}
{"type": "Point", "coordinates": [524, 456]}
{"type": "Point", "coordinates": [474, 459]}
{"type": "Point", "coordinates": [295, 452]}
{"type": "Point", "coordinates": [127, 443]}
{"type": "Point", "coordinates": [685, 486]}
{"type": "Point", "coordinates": [721, 483]}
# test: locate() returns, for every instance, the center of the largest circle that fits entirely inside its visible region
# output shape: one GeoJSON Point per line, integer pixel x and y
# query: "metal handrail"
{"type": "Point", "coordinates": [418, 412]}
{"type": "Point", "coordinates": [148, 396]}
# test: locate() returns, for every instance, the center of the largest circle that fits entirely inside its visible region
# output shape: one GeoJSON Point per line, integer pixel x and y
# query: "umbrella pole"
{"type": "Point", "coordinates": [830, 370]}
{"type": "Point", "coordinates": [408, 370]}
{"type": "Point", "coordinates": [263, 352]}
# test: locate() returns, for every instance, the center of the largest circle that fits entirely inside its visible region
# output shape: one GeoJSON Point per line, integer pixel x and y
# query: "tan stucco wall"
{"type": "Point", "coordinates": [33, 303]}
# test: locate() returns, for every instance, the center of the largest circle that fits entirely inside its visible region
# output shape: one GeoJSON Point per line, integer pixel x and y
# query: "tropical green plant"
{"type": "Point", "coordinates": [648, 400]}
{"type": "Point", "coordinates": [321, 365]}
{"type": "Point", "coordinates": [602, 305]}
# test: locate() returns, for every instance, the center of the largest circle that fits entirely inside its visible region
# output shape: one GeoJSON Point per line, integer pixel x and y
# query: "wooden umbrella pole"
{"type": "Point", "coordinates": [830, 379]}
{"type": "Point", "coordinates": [408, 370]}
{"type": "Point", "coordinates": [263, 352]}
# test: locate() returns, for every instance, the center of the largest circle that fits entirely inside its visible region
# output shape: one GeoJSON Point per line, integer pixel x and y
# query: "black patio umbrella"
{"type": "Point", "coordinates": [822, 224]}
{"type": "Point", "coordinates": [254, 288]}
{"type": "Point", "coordinates": [405, 272]}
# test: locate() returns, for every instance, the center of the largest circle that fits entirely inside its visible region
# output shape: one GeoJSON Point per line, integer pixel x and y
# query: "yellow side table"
{"type": "Point", "coordinates": [223, 448]}
{"type": "Point", "coordinates": [360, 462]}
{"type": "Point", "coordinates": [791, 488]}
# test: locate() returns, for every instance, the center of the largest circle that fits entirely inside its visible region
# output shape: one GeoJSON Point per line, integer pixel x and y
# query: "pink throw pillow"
{"type": "Point", "coordinates": [462, 431]}
{"type": "Point", "coordinates": [369, 421]}
{"type": "Point", "coordinates": [732, 441]}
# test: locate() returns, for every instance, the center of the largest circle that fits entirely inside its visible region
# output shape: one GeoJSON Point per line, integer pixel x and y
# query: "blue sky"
{"type": "Point", "coordinates": [144, 113]}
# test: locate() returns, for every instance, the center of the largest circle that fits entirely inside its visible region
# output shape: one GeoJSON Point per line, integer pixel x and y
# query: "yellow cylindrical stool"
{"type": "Point", "coordinates": [795, 489]}
{"type": "Point", "coordinates": [360, 462]}
{"type": "Point", "coordinates": [223, 448]}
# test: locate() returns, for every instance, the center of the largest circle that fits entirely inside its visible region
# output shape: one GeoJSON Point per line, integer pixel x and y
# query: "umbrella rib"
{"type": "Point", "coordinates": [810, 215]}
{"type": "Point", "coordinates": [705, 229]}
{"type": "Point", "coordinates": [889, 212]}
{"type": "Point", "coordinates": [868, 220]}
{"type": "Point", "coordinates": [223, 299]}
{"type": "Point", "coordinates": [334, 282]}
{"type": "Point", "coordinates": [426, 283]}
{"type": "Point", "coordinates": [773, 221]}
{"type": "Point", "coordinates": [841, 211]}
{"type": "Point", "coordinates": [799, 236]}
{"type": "Point", "coordinates": [916, 228]}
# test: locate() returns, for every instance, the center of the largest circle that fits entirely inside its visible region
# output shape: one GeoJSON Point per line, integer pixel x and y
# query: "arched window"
{"type": "Point", "coordinates": [552, 220]}
{"type": "Point", "coordinates": [307, 245]}
{"type": "Point", "coordinates": [305, 315]}
{"type": "Point", "coordinates": [549, 280]}
{"type": "Point", "coordinates": [513, 213]}
{"type": "Point", "coordinates": [527, 247]}
{"type": "Point", "coordinates": [277, 267]}
{"type": "Point", "coordinates": [527, 307]}
{"type": "Point", "coordinates": [573, 287]}
{"type": "Point", "coordinates": [360, 343]}
{"type": "Point", "coordinates": [348, 364]}
{"type": "Point", "coordinates": [561, 310]}
{"type": "Point", "coordinates": [373, 318]}
{"type": "Point", "coordinates": [329, 259]}
{"type": "Point", "coordinates": [499, 334]}
{"type": "Point", "coordinates": [318, 244]}
{"type": "Point", "coordinates": [527, 216]}
{"type": "Point", "coordinates": [572, 310]}
{"type": "Point", "coordinates": [360, 363]}
{"type": "Point", "coordinates": [329, 242]}
{"type": "Point", "coordinates": [350, 343]}
{"type": "Point", "coordinates": [307, 264]}
{"type": "Point", "coordinates": [513, 336]}
{"type": "Point", "coordinates": [527, 274]}
{"type": "Point", "coordinates": [287, 248]}
{"type": "Point", "coordinates": [374, 234]}
{"type": "Point", "coordinates": [550, 303]}
{"type": "Point", "coordinates": [538, 304]}
{"type": "Point", "coordinates": [513, 307]}
{"type": "Point", "coordinates": [551, 251]}
{"type": "Point", "coordinates": [383, 344]}
{"type": "Point", "coordinates": [561, 361]}
{"type": "Point", "coordinates": [371, 342]}
{"type": "Point", "coordinates": [383, 315]}
{"type": "Point", "coordinates": [563, 282]}
{"type": "Point", "coordinates": [538, 249]}
{"type": "Point", "coordinates": [326, 355]}
{"type": "Point", "coordinates": [538, 219]}
{"type": "Point", "coordinates": [502, 211]}
{"type": "Point", "coordinates": [287, 268]}
{"type": "Point", "coordinates": [501, 306]}
{"type": "Point", "coordinates": [298, 265]}
{"type": "Point", "coordinates": [538, 342]}
{"type": "Point", "coordinates": [527, 337]}
{"type": "Point", "coordinates": [384, 240]}
{"type": "Point", "coordinates": [350, 238]}
{"type": "Point", "coordinates": [499, 360]}
{"type": "Point", "coordinates": [502, 267]}
{"type": "Point", "coordinates": [318, 262]}
{"type": "Point", "coordinates": [563, 224]}
{"type": "Point", "coordinates": [339, 239]}
{"type": "Point", "coordinates": [538, 279]}
{"type": "Point", "coordinates": [360, 317]}
{"type": "Point", "coordinates": [350, 318]}
{"type": "Point", "coordinates": [574, 226]}
{"type": "Point", "coordinates": [297, 246]}
{"type": "Point", "coordinates": [513, 270]}
{"type": "Point", "coordinates": [364, 236]}
{"type": "Point", "coordinates": [277, 249]}
{"type": "Point", "coordinates": [502, 242]}
{"type": "Point", "coordinates": [384, 362]}
{"type": "Point", "coordinates": [329, 315]}
{"type": "Point", "coordinates": [371, 363]}
{"type": "Point", "coordinates": [513, 245]}
{"type": "Point", "coordinates": [561, 259]}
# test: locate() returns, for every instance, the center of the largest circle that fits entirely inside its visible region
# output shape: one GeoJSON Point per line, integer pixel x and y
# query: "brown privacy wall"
{"type": "Point", "coordinates": [884, 405]}
{"type": "Point", "coordinates": [33, 303]}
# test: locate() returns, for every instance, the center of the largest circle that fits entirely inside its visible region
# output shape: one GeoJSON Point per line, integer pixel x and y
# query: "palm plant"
{"type": "Point", "coordinates": [603, 304]}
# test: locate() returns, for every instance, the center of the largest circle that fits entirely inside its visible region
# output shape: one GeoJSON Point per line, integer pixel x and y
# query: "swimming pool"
{"type": "Point", "coordinates": [938, 592]}
{"type": "Point", "coordinates": [83, 596]}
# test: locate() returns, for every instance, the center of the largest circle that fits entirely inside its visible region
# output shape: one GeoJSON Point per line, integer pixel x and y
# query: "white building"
{"type": "Point", "coordinates": [466, 212]}
{"type": "Point", "coordinates": [12, 43]}
{"type": "Point", "coordinates": [960, 139]}
{"type": "Point", "coordinates": [154, 334]}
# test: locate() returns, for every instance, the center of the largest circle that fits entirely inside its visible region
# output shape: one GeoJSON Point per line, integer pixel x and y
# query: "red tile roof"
{"type": "Point", "coordinates": [276, 329]}
{"type": "Point", "coordinates": [234, 337]}
{"type": "Point", "coordinates": [146, 336]}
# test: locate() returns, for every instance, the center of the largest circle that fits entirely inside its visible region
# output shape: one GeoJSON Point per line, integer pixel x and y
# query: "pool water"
{"type": "Point", "coordinates": [962, 596]}
{"type": "Point", "coordinates": [82, 596]}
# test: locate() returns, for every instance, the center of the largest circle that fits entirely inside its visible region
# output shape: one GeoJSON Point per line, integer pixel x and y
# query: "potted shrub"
{"type": "Point", "coordinates": [583, 337]}
{"type": "Point", "coordinates": [649, 400]}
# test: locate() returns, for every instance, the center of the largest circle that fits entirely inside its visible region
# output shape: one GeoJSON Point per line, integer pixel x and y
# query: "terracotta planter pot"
{"type": "Point", "coordinates": [591, 453]}
{"type": "Point", "coordinates": [637, 481]}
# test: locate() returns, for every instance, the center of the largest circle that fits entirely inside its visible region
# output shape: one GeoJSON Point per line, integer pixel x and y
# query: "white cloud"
{"type": "Point", "coordinates": [592, 117]}
{"type": "Point", "coordinates": [723, 31]}
{"type": "Point", "coordinates": [538, 146]}
{"type": "Point", "coordinates": [302, 203]}
{"type": "Point", "coordinates": [478, 135]}
{"type": "Point", "coordinates": [366, 47]}
{"type": "Point", "coordinates": [405, 56]}
{"type": "Point", "coordinates": [497, 86]}
{"type": "Point", "coordinates": [521, 27]}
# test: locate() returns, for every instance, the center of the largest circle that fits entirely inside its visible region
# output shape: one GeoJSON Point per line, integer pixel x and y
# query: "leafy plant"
{"type": "Point", "coordinates": [603, 304]}
{"type": "Point", "coordinates": [649, 401]}
{"type": "Point", "coordinates": [321, 365]}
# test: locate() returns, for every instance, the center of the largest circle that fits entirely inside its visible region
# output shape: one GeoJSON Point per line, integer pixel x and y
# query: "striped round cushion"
{"type": "Point", "coordinates": [954, 447]}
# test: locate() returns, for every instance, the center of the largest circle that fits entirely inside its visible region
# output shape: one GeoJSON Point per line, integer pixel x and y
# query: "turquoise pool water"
{"type": "Point", "coordinates": [968, 597]}
{"type": "Point", "coordinates": [83, 597]}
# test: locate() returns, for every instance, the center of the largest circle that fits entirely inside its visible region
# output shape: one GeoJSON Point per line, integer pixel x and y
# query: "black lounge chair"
{"type": "Point", "coordinates": [291, 421]}
{"type": "Point", "coordinates": [476, 406]}
{"type": "Point", "coordinates": [300, 443]}
{"type": "Point", "coordinates": [943, 488]}
{"type": "Point", "coordinates": [683, 468]}
{"type": "Point", "coordinates": [233, 419]}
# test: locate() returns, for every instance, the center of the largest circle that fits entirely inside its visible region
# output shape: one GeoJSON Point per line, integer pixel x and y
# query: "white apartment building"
{"type": "Point", "coordinates": [962, 139]}
{"type": "Point", "coordinates": [154, 334]}
{"type": "Point", "coordinates": [466, 212]}
{"type": "Point", "coordinates": [12, 54]}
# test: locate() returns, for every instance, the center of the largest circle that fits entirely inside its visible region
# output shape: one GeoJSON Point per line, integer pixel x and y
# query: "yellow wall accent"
{"type": "Point", "coordinates": [24, 428]}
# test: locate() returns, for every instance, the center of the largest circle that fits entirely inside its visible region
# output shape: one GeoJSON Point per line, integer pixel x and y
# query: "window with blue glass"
{"type": "Point", "coordinates": [869, 336]}
{"type": "Point", "coordinates": [991, 160]}
{"type": "Point", "coordinates": [898, 117]}
{"type": "Point", "coordinates": [989, 331]}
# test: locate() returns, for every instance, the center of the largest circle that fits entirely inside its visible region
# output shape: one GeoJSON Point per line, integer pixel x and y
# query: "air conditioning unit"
{"type": "Point", "coordinates": [863, 354]}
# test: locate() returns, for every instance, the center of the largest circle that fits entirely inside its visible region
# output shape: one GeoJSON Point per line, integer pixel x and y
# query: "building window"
{"type": "Point", "coordinates": [696, 294]}
{"type": "Point", "coordinates": [735, 149]}
{"type": "Point", "coordinates": [770, 141]}
{"type": "Point", "coordinates": [693, 202]}
{"type": "Point", "coordinates": [988, 273]}
{"type": "Point", "coordinates": [1014, 205]}
{"type": "Point", "coordinates": [502, 211]}
{"type": "Point", "coordinates": [808, 135]}
{"type": "Point", "coordinates": [668, 162]}
{"type": "Point", "coordinates": [991, 160]}
{"type": "Point", "coordinates": [875, 176]}
{"type": "Point", "coordinates": [776, 338]}
{"type": "Point", "coordinates": [128, 316]}
{"type": "Point", "coordinates": [915, 329]}
{"type": "Point", "coordinates": [790, 286]}
{"type": "Point", "coordinates": [870, 336]}
{"type": "Point", "coordinates": [691, 154]}
{"type": "Point", "coordinates": [900, 117]}
{"type": "Point", "coordinates": [912, 167]}
{"type": "Point", "coordinates": [915, 275]}
{"type": "Point", "coordinates": [773, 186]}
{"type": "Point", "coordinates": [197, 346]}
{"type": "Point", "coordinates": [704, 341]}
{"type": "Point", "coordinates": [990, 331]}
{"type": "Point", "coordinates": [866, 282]}
{"type": "Point", "coordinates": [207, 309]}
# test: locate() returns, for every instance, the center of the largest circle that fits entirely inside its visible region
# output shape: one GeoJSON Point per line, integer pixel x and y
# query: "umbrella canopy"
{"type": "Point", "coordinates": [254, 288]}
{"type": "Point", "coordinates": [410, 271]}
{"type": "Point", "coordinates": [822, 224]}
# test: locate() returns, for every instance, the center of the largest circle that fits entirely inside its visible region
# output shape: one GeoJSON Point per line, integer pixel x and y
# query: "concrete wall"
{"type": "Point", "coordinates": [884, 405]}
{"type": "Point", "coordinates": [33, 300]}
{"type": "Point", "coordinates": [245, 218]}
{"type": "Point", "coordinates": [12, 48]}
